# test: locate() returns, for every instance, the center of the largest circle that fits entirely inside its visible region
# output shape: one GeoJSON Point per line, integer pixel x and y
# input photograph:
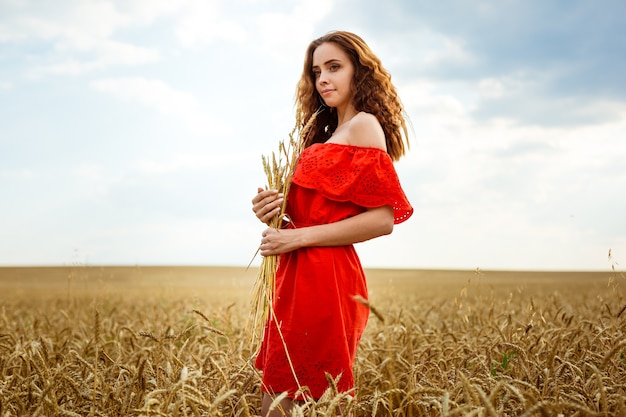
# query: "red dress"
{"type": "Point", "coordinates": [321, 323]}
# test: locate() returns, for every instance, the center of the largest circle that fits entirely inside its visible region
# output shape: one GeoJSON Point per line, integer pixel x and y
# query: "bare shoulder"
{"type": "Point", "coordinates": [365, 130]}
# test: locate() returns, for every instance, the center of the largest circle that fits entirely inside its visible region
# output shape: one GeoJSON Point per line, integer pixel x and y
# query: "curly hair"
{"type": "Point", "coordinates": [373, 93]}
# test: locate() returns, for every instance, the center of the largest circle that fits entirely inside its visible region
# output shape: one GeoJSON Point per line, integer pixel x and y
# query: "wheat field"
{"type": "Point", "coordinates": [171, 341]}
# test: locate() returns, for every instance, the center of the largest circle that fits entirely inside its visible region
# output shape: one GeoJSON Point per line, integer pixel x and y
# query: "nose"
{"type": "Point", "coordinates": [322, 80]}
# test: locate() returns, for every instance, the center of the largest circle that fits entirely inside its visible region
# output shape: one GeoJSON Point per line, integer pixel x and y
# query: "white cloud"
{"type": "Point", "coordinates": [511, 158]}
{"type": "Point", "coordinates": [187, 162]}
{"type": "Point", "coordinates": [105, 53]}
{"type": "Point", "coordinates": [187, 241]}
{"type": "Point", "coordinates": [69, 23]}
{"type": "Point", "coordinates": [93, 180]}
{"type": "Point", "coordinates": [15, 174]}
{"type": "Point", "coordinates": [80, 35]}
{"type": "Point", "coordinates": [202, 22]}
{"type": "Point", "coordinates": [144, 12]}
{"type": "Point", "coordinates": [498, 194]}
{"type": "Point", "coordinates": [158, 95]}
{"type": "Point", "coordinates": [491, 87]}
{"type": "Point", "coordinates": [154, 93]}
{"type": "Point", "coordinates": [445, 50]}
{"type": "Point", "coordinates": [286, 35]}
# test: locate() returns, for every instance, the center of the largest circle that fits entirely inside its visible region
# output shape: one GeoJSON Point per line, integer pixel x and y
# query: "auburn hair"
{"type": "Point", "coordinates": [372, 89]}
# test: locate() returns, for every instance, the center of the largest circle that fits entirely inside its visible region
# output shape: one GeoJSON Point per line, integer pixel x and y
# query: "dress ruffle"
{"type": "Point", "coordinates": [364, 176]}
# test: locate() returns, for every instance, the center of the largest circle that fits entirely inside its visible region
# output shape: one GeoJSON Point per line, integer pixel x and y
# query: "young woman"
{"type": "Point", "coordinates": [344, 190]}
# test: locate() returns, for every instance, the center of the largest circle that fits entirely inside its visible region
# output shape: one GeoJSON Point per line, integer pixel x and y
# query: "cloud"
{"type": "Point", "coordinates": [17, 174]}
{"type": "Point", "coordinates": [202, 22]}
{"type": "Point", "coordinates": [158, 95]}
{"type": "Point", "coordinates": [72, 37]}
{"type": "Point", "coordinates": [529, 187]}
{"type": "Point", "coordinates": [190, 241]}
{"type": "Point", "coordinates": [518, 109]}
{"type": "Point", "coordinates": [195, 162]}
{"type": "Point", "coordinates": [103, 54]}
{"type": "Point", "coordinates": [145, 12]}
{"type": "Point", "coordinates": [508, 36]}
{"type": "Point", "coordinates": [551, 111]}
{"type": "Point", "coordinates": [554, 64]}
{"type": "Point", "coordinates": [285, 36]}
{"type": "Point", "coordinates": [69, 23]}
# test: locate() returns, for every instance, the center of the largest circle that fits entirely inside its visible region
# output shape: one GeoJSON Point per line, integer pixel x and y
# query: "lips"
{"type": "Point", "coordinates": [326, 92]}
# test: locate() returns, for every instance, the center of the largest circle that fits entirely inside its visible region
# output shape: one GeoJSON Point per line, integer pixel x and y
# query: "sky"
{"type": "Point", "coordinates": [131, 131]}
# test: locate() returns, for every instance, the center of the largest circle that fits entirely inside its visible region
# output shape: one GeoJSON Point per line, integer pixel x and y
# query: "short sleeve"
{"type": "Point", "coordinates": [364, 176]}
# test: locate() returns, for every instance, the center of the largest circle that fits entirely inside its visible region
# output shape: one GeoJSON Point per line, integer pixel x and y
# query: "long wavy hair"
{"type": "Point", "coordinates": [372, 90]}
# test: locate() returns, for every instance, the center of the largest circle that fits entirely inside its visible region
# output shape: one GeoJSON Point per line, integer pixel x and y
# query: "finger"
{"type": "Point", "coordinates": [266, 218]}
{"type": "Point", "coordinates": [267, 250]}
{"type": "Point", "coordinates": [260, 194]}
{"type": "Point", "coordinates": [268, 204]}
{"type": "Point", "coordinates": [259, 202]}
{"type": "Point", "coordinates": [268, 207]}
{"type": "Point", "coordinates": [264, 194]}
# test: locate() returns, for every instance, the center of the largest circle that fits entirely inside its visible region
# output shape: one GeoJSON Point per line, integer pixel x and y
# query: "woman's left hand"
{"type": "Point", "coordinates": [275, 242]}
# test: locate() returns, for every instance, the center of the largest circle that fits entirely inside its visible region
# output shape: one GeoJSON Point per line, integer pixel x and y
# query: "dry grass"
{"type": "Point", "coordinates": [279, 169]}
{"type": "Point", "coordinates": [172, 341]}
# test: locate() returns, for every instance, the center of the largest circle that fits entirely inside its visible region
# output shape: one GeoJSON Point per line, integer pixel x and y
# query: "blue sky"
{"type": "Point", "coordinates": [132, 131]}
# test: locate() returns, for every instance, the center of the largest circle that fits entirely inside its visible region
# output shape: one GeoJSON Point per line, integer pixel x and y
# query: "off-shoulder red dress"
{"type": "Point", "coordinates": [320, 321]}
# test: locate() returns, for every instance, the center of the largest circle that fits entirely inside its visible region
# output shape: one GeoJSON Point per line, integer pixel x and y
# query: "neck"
{"type": "Point", "coordinates": [345, 114]}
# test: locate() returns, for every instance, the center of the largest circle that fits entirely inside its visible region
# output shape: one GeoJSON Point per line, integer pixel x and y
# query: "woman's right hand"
{"type": "Point", "coordinates": [266, 204]}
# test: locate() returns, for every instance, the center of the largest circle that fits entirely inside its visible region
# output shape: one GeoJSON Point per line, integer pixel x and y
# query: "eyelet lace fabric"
{"type": "Point", "coordinates": [365, 176]}
{"type": "Point", "coordinates": [317, 318]}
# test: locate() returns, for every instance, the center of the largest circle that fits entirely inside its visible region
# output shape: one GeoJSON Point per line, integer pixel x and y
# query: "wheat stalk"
{"type": "Point", "coordinates": [48, 354]}
{"type": "Point", "coordinates": [278, 168]}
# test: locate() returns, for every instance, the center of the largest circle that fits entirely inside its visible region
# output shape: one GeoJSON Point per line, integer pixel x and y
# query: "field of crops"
{"type": "Point", "coordinates": [160, 341]}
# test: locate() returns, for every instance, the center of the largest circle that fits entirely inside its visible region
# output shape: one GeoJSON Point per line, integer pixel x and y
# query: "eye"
{"type": "Point", "coordinates": [316, 73]}
{"type": "Point", "coordinates": [334, 67]}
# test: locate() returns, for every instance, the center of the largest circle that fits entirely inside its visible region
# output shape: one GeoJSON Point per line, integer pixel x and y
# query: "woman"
{"type": "Point", "coordinates": [344, 190]}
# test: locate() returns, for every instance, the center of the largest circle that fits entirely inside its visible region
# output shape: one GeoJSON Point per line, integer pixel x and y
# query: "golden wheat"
{"type": "Point", "coordinates": [523, 350]}
{"type": "Point", "coordinates": [279, 169]}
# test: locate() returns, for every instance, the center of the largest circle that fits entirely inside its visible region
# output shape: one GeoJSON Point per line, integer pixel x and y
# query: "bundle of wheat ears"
{"type": "Point", "coordinates": [279, 168]}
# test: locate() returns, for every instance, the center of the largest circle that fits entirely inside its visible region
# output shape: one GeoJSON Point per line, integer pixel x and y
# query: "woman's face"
{"type": "Point", "coordinates": [333, 72]}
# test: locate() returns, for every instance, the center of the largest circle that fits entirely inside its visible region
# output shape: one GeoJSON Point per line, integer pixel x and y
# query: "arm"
{"type": "Point", "coordinates": [364, 130]}
{"type": "Point", "coordinates": [364, 226]}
